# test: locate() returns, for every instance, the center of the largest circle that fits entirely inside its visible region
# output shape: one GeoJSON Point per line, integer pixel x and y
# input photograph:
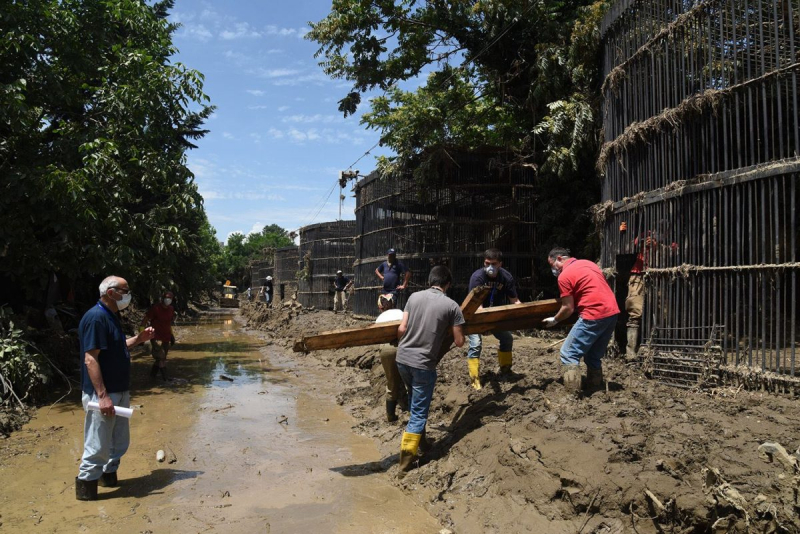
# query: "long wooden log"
{"type": "Point", "coordinates": [376, 333]}
{"type": "Point", "coordinates": [511, 317]}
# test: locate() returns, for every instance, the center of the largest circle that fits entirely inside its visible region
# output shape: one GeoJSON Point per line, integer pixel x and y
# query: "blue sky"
{"type": "Point", "coordinates": [277, 140]}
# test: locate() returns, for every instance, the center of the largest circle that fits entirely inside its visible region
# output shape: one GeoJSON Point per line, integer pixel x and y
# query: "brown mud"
{"type": "Point", "coordinates": [522, 456]}
{"type": "Point", "coordinates": [264, 449]}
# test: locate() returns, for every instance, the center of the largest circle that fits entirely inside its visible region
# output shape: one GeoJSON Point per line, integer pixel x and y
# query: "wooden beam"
{"type": "Point", "coordinates": [376, 333]}
{"type": "Point", "coordinates": [511, 317]}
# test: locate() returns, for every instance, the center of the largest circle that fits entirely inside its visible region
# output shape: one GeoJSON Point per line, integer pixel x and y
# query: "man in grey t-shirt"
{"type": "Point", "coordinates": [428, 321]}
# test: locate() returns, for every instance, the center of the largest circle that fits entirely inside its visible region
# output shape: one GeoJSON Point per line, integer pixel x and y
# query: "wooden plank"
{"type": "Point", "coordinates": [376, 333]}
{"type": "Point", "coordinates": [511, 317]}
{"type": "Point", "coordinates": [474, 301]}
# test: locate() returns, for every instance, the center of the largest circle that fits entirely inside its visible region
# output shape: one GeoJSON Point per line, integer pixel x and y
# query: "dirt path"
{"type": "Point", "coordinates": [522, 456]}
{"type": "Point", "coordinates": [268, 451]}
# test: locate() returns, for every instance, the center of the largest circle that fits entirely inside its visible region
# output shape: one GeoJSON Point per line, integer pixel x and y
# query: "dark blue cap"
{"type": "Point", "coordinates": [390, 252]}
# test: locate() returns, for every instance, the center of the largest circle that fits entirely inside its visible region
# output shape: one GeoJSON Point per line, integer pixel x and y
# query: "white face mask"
{"type": "Point", "coordinates": [490, 270]}
{"type": "Point", "coordinates": [554, 271]}
{"type": "Point", "coordinates": [122, 304]}
{"type": "Point", "coordinates": [167, 301]}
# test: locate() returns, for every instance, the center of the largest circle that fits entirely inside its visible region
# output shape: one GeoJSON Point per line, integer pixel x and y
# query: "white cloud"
{"type": "Point", "coordinates": [283, 32]}
{"type": "Point", "coordinates": [255, 92]}
{"type": "Point", "coordinates": [256, 229]}
{"type": "Point", "coordinates": [274, 73]}
{"type": "Point", "coordinates": [275, 133]}
{"type": "Point", "coordinates": [256, 138]}
{"type": "Point", "coordinates": [283, 108]}
{"type": "Point", "coordinates": [259, 107]}
{"type": "Point", "coordinates": [240, 30]}
{"type": "Point", "coordinates": [196, 31]}
{"type": "Point", "coordinates": [307, 119]}
{"type": "Point", "coordinates": [228, 135]}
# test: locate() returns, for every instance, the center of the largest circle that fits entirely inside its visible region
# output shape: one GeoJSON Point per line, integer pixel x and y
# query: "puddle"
{"type": "Point", "coordinates": [258, 447]}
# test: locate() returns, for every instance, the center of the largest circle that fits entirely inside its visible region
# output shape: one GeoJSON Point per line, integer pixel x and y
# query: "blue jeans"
{"type": "Point", "coordinates": [476, 343]}
{"type": "Point", "coordinates": [588, 339]}
{"type": "Point", "coordinates": [105, 438]}
{"type": "Point", "coordinates": [420, 384]}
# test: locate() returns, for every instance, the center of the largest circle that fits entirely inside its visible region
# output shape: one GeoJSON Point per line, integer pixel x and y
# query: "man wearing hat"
{"type": "Point", "coordinates": [340, 284]}
{"type": "Point", "coordinates": [390, 272]}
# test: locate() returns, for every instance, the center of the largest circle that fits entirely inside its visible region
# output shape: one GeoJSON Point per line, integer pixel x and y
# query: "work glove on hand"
{"type": "Point", "coordinates": [550, 322]}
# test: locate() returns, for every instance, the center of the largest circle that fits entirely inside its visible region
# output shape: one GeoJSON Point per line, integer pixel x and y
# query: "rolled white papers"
{"type": "Point", "coordinates": [118, 410]}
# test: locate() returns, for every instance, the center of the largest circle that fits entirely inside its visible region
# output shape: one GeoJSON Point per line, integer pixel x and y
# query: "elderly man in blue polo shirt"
{"type": "Point", "coordinates": [106, 380]}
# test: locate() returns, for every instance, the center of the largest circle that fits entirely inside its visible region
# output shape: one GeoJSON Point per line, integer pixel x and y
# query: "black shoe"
{"type": "Point", "coordinates": [391, 407]}
{"type": "Point", "coordinates": [108, 480]}
{"type": "Point", "coordinates": [164, 374]}
{"type": "Point", "coordinates": [85, 490]}
{"type": "Point", "coordinates": [154, 370]}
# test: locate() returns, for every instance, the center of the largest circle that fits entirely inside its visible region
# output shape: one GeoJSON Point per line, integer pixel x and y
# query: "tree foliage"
{"type": "Point", "coordinates": [95, 122]}
{"type": "Point", "coordinates": [522, 75]}
{"type": "Point", "coordinates": [241, 250]}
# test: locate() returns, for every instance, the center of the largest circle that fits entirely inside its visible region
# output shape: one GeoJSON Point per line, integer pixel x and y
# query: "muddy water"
{"type": "Point", "coordinates": [253, 444]}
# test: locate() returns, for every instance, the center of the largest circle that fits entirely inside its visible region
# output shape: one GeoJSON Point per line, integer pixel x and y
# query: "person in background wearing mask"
{"type": "Point", "coordinates": [160, 317]}
{"type": "Point", "coordinates": [268, 289]}
{"type": "Point", "coordinates": [106, 380]}
{"type": "Point", "coordinates": [583, 287]}
{"type": "Point", "coordinates": [340, 285]}
{"type": "Point", "coordinates": [503, 291]}
{"type": "Point", "coordinates": [390, 273]}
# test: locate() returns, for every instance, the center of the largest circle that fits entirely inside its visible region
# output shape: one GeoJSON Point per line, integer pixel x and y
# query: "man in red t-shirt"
{"type": "Point", "coordinates": [160, 317]}
{"type": "Point", "coordinates": [583, 287]}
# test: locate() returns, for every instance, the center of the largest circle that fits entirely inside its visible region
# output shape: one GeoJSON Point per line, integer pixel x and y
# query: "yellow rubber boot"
{"type": "Point", "coordinates": [408, 452]}
{"type": "Point", "coordinates": [504, 358]}
{"type": "Point", "coordinates": [474, 372]}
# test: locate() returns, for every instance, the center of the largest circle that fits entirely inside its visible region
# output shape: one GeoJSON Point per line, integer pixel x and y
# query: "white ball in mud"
{"type": "Point", "coordinates": [161, 456]}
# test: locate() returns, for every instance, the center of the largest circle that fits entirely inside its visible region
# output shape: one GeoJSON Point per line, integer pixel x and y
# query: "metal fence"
{"type": "Point", "coordinates": [324, 249]}
{"type": "Point", "coordinates": [470, 202]}
{"type": "Point", "coordinates": [701, 154]}
{"type": "Point", "coordinates": [259, 270]}
{"type": "Point", "coordinates": [286, 267]}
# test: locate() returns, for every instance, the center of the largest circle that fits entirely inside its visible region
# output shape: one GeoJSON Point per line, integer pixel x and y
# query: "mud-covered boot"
{"type": "Point", "coordinates": [408, 453]}
{"type": "Point", "coordinates": [402, 402]}
{"type": "Point", "coordinates": [85, 490]}
{"type": "Point", "coordinates": [108, 480]}
{"type": "Point", "coordinates": [504, 359]}
{"type": "Point", "coordinates": [474, 366]}
{"type": "Point", "coordinates": [633, 338]}
{"type": "Point", "coordinates": [572, 379]}
{"type": "Point", "coordinates": [594, 379]}
{"type": "Point", "coordinates": [391, 407]}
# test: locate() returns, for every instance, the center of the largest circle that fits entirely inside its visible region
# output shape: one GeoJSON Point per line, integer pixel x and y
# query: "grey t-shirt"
{"type": "Point", "coordinates": [431, 314]}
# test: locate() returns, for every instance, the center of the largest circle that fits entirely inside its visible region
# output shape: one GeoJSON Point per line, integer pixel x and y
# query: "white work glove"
{"type": "Point", "coordinates": [550, 322]}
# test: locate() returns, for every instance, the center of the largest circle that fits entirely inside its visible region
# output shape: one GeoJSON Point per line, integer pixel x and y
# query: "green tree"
{"type": "Point", "coordinates": [240, 250]}
{"type": "Point", "coordinates": [95, 122]}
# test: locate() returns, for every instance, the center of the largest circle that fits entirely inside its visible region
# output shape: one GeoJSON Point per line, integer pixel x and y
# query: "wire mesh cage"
{"type": "Point", "coordinates": [259, 270]}
{"type": "Point", "coordinates": [701, 168]}
{"type": "Point", "coordinates": [324, 249]}
{"type": "Point", "coordinates": [286, 267]}
{"type": "Point", "coordinates": [471, 202]}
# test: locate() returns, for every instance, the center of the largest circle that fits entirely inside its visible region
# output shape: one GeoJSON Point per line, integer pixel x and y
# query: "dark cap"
{"type": "Point", "coordinates": [391, 251]}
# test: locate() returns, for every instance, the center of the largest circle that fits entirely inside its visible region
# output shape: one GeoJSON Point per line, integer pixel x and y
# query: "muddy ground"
{"type": "Point", "coordinates": [522, 456]}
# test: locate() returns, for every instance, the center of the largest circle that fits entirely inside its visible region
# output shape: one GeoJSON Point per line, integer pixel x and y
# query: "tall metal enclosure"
{"type": "Point", "coordinates": [286, 267]}
{"type": "Point", "coordinates": [476, 201]}
{"type": "Point", "coordinates": [701, 150]}
{"type": "Point", "coordinates": [259, 270]}
{"type": "Point", "coordinates": [324, 249]}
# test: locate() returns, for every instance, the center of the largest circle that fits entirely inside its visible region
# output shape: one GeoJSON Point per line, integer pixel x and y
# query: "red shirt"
{"type": "Point", "coordinates": [584, 281]}
{"type": "Point", "coordinates": [160, 318]}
